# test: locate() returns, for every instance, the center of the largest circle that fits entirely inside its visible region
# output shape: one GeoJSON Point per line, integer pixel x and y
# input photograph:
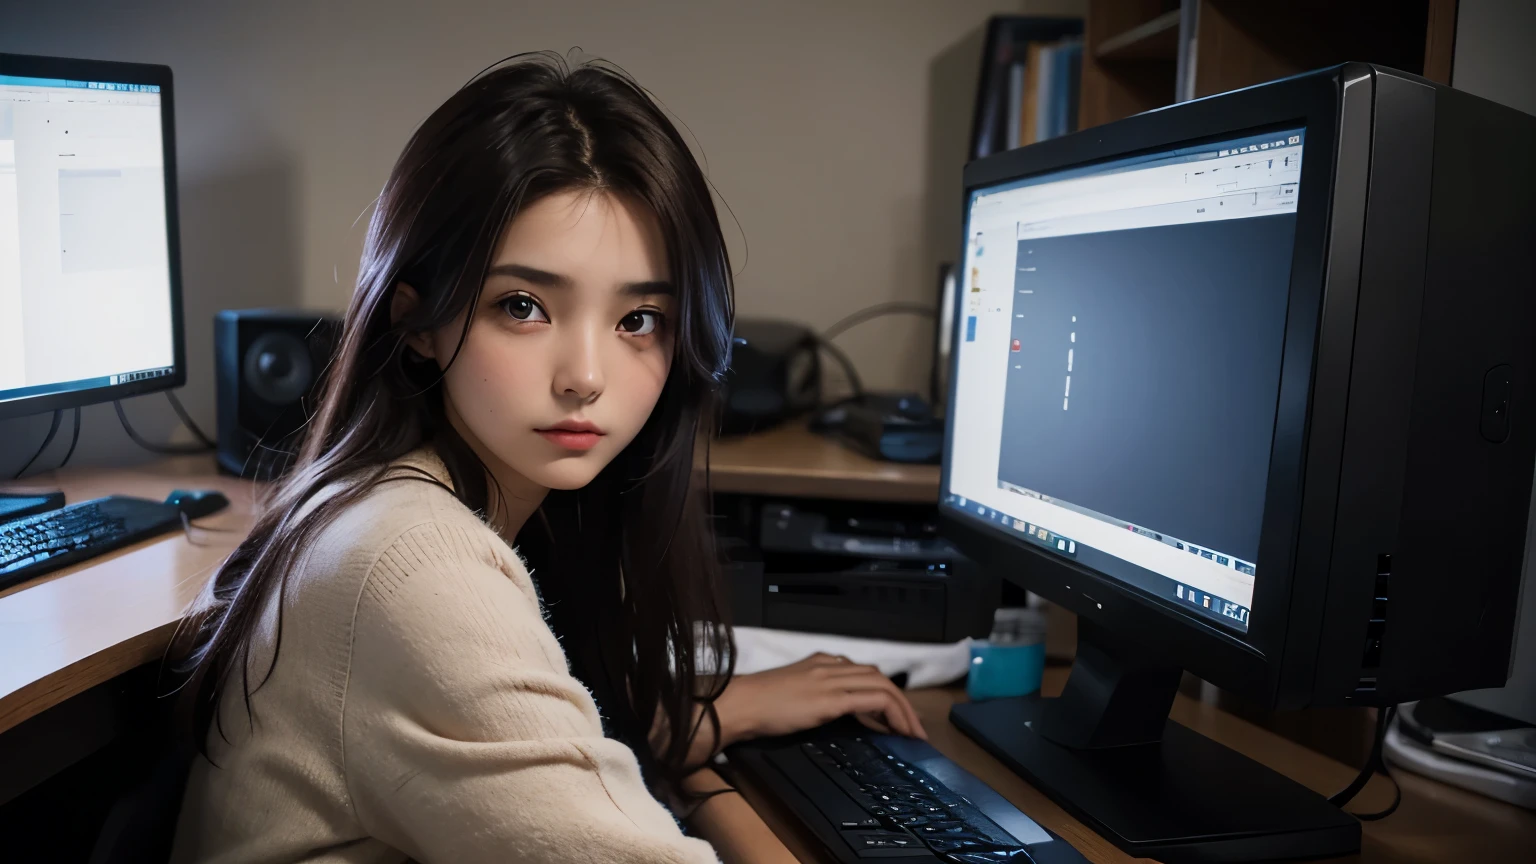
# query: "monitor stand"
{"type": "Point", "coordinates": [14, 505]}
{"type": "Point", "coordinates": [1106, 751]}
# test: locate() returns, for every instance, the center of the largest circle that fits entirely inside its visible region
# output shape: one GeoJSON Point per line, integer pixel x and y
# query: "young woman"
{"type": "Point", "coordinates": [541, 319]}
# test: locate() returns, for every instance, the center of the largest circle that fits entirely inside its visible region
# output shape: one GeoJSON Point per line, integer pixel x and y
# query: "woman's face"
{"type": "Point", "coordinates": [570, 343]}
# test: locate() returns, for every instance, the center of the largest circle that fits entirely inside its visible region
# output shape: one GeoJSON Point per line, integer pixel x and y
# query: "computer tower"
{"type": "Point", "coordinates": [1391, 419]}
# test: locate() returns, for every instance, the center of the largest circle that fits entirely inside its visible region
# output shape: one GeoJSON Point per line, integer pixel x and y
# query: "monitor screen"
{"type": "Point", "coordinates": [1119, 344]}
{"type": "Point", "coordinates": [85, 279]}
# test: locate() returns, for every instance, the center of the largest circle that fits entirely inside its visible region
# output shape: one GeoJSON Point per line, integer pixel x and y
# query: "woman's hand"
{"type": "Point", "coordinates": [816, 690]}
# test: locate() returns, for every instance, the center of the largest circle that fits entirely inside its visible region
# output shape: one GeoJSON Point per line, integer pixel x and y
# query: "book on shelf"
{"type": "Point", "coordinates": [1028, 77]}
{"type": "Point", "coordinates": [1016, 89]}
{"type": "Point", "coordinates": [1053, 98]}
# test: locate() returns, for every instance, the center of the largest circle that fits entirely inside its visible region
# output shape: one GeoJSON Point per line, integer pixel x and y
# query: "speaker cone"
{"type": "Point", "coordinates": [277, 368]}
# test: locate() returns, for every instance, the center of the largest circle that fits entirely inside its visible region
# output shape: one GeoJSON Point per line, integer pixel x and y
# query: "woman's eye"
{"type": "Point", "coordinates": [523, 308]}
{"type": "Point", "coordinates": [641, 322]}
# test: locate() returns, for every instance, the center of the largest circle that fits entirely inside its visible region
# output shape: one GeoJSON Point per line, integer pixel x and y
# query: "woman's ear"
{"type": "Point", "coordinates": [401, 305]}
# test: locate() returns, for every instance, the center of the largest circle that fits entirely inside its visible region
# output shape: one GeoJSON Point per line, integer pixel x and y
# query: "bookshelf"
{"type": "Point", "coordinates": [1026, 63]}
{"type": "Point", "coordinates": [1144, 54]}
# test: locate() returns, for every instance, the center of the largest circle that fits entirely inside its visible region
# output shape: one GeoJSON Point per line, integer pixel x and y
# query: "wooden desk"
{"type": "Point", "coordinates": [793, 461]}
{"type": "Point", "coordinates": [83, 625]}
{"type": "Point", "coordinates": [1435, 824]}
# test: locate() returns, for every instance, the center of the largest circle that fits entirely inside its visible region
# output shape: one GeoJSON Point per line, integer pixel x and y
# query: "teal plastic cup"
{"type": "Point", "coordinates": [1011, 661]}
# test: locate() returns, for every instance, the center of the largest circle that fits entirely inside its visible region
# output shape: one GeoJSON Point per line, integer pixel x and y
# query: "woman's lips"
{"type": "Point", "coordinates": [571, 439]}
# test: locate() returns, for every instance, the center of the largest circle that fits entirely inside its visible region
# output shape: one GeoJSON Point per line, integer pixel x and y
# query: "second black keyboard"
{"type": "Point", "coordinates": [34, 545]}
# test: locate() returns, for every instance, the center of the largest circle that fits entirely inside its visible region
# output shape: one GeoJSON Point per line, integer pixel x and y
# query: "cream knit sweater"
{"type": "Point", "coordinates": [420, 709]}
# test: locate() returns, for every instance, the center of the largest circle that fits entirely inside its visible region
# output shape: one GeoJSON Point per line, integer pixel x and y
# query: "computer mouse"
{"type": "Point", "coordinates": [197, 503]}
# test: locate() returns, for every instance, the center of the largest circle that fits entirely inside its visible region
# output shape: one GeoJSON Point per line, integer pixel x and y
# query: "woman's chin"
{"type": "Point", "coordinates": [567, 473]}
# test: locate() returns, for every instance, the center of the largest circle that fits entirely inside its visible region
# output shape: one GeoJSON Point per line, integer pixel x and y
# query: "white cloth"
{"type": "Point", "coordinates": [927, 664]}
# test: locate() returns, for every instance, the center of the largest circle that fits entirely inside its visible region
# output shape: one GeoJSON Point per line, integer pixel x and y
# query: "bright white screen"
{"type": "Point", "coordinates": [85, 285]}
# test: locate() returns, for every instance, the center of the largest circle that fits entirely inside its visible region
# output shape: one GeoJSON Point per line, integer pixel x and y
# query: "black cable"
{"type": "Point", "coordinates": [187, 525]}
{"type": "Point", "coordinates": [848, 369]}
{"type": "Point", "coordinates": [1347, 794]}
{"type": "Point", "coordinates": [1397, 798]}
{"type": "Point", "coordinates": [74, 439]}
{"type": "Point", "coordinates": [186, 420]}
{"type": "Point", "coordinates": [1373, 763]}
{"type": "Point", "coordinates": [52, 431]}
{"type": "Point", "coordinates": [1381, 765]}
{"type": "Point", "coordinates": [848, 322]}
{"type": "Point", "coordinates": [879, 310]}
{"type": "Point", "coordinates": [162, 449]}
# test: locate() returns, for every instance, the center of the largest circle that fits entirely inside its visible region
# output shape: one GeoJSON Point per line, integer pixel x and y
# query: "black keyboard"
{"type": "Point", "coordinates": [881, 796]}
{"type": "Point", "coordinates": [34, 545]}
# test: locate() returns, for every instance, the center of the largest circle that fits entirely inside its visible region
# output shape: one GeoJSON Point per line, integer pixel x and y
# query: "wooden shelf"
{"type": "Point", "coordinates": [1129, 50]}
{"type": "Point", "coordinates": [1157, 39]}
{"type": "Point", "coordinates": [1131, 47]}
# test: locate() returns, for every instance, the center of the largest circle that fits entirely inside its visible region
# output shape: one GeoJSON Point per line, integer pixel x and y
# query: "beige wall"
{"type": "Point", "coordinates": [833, 129]}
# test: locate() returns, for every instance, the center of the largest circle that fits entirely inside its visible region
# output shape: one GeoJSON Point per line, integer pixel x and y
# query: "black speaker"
{"type": "Point", "coordinates": [269, 361]}
{"type": "Point", "coordinates": [775, 374]}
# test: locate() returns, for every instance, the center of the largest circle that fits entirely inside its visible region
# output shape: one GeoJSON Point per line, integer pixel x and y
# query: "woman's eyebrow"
{"type": "Point", "coordinates": [648, 289]}
{"type": "Point", "coordinates": [546, 279]}
{"type": "Point", "coordinates": [530, 274]}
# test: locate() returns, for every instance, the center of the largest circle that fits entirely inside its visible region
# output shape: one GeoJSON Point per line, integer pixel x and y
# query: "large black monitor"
{"type": "Point", "coordinates": [1247, 384]}
{"type": "Point", "coordinates": [90, 280]}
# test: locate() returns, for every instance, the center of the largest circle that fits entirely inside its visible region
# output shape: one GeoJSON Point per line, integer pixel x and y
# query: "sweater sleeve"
{"type": "Point", "coordinates": [464, 736]}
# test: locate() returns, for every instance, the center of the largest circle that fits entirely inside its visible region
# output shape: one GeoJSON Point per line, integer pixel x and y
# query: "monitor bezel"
{"type": "Point", "coordinates": [119, 73]}
{"type": "Point", "coordinates": [1245, 662]}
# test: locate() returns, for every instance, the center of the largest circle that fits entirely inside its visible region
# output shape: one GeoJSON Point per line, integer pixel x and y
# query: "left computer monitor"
{"type": "Point", "coordinates": [90, 281]}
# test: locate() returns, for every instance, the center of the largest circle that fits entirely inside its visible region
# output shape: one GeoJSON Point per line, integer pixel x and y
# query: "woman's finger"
{"type": "Point", "coordinates": [890, 709]}
{"type": "Point", "coordinates": [844, 666]}
{"type": "Point", "coordinates": [874, 722]}
{"type": "Point", "coordinates": [869, 678]}
{"type": "Point", "coordinates": [875, 702]}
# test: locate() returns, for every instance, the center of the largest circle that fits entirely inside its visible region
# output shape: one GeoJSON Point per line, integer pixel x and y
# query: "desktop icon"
{"type": "Point", "coordinates": [1179, 590]}
{"type": "Point", "coordinates": [1071, 547]}
{"type": "Point", "coordinates": [1207, 554]}
{"type": "Point", "coordinates": [1016, 345]}
{"type": "Point", "coordinates": [1207, 601]}
{"type": "Point", "coordinates": [1295, 139]}
{"type": "Point", "coordinates": [1222, 560]}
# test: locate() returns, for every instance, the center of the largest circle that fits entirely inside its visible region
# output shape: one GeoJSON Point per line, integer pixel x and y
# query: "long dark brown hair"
{"type": "Point", "coordinates": [626, 565]}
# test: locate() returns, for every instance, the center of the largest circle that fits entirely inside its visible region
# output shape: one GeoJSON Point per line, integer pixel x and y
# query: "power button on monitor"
{"type": "Point", "coordinates": [1498, 389]}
